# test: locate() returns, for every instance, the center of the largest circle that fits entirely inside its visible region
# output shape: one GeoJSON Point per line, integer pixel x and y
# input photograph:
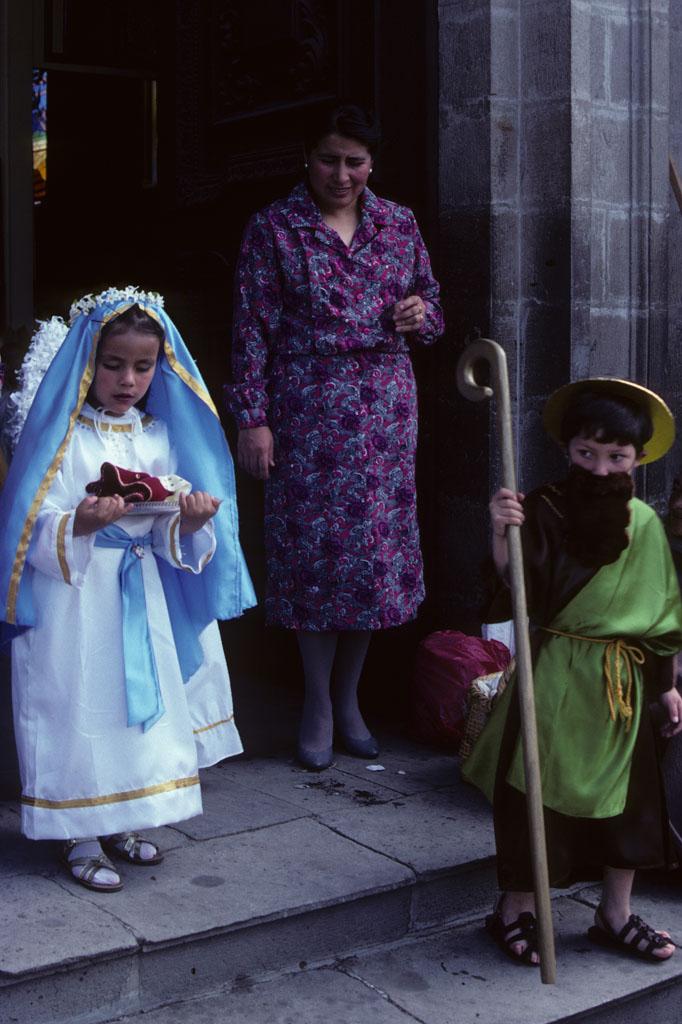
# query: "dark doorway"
{"type": "Point", "coordinates": [169, 124]}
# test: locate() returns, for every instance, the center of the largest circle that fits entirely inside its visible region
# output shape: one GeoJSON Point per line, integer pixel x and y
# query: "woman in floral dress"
{"type": "Point", "coordinates": [332, 282]}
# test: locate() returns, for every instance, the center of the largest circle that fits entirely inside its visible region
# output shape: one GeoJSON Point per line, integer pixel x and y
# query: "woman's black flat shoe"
{"type": "Point", "coordinates": [314, 760]}
{"type": "Point", "coordinates": [366, 749]}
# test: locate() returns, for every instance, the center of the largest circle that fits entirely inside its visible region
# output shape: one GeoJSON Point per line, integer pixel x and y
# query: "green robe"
{"type": "Point", "coordinates": [585, 755]}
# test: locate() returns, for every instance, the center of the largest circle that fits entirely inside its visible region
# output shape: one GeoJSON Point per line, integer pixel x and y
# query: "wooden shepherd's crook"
{"type": "Point", "coordinates": [491, 353]}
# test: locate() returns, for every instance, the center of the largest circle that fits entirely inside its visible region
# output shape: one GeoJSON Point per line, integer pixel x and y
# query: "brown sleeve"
{"type": "Point", "coordinates": [552, 577]}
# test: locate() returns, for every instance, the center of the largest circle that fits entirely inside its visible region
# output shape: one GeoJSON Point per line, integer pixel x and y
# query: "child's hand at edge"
{"type": "Point", "coordinates": [672, 703]}
{"type": "Point", "coordinates": [94, 514]}
{"type": "Point", "coordinates": [505, 510]}
{"type": "Point", "coordinates": [196, 509]}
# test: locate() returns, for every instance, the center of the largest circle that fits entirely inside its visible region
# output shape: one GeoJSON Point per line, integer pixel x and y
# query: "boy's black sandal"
{"type": "Point", "coordinates": [523, 929]}
{"type": "Point", "coordinates": [628, 939]}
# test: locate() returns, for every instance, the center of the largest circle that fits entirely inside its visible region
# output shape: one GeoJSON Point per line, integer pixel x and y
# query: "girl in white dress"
{"type": "Point", "coordinates": [120, 687]}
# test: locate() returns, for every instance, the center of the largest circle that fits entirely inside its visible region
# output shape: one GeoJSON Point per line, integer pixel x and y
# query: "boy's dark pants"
{"type": "Point", "coordinates": [579, 848]}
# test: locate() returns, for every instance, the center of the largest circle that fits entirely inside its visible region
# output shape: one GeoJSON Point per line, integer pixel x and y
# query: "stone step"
{"type": "Point", "coordinates": [458, 976]}
{"type": "Point", "coordinates": [284, 868]}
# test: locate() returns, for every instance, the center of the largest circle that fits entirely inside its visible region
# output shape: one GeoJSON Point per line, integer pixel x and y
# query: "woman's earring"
{"type": "Point", "coordinates": [306, 165]}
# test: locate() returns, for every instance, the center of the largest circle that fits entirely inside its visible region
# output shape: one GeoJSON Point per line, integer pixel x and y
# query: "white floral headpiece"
{"type": "Point", "coordinates": [45, 344]}
{"type": "Point", "coordinates": [110, 296]}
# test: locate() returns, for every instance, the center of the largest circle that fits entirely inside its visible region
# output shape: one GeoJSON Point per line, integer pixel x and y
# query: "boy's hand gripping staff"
{"type": "Point", "coordinates": [485, 351]}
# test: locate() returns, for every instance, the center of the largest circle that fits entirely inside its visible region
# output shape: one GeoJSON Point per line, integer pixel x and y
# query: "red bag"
{"type": "Point", "coordinates": [446, 665]}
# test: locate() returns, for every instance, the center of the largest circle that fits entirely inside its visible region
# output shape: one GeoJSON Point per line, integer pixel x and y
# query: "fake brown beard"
{"type": "Point", "coordinates": [597, 516]}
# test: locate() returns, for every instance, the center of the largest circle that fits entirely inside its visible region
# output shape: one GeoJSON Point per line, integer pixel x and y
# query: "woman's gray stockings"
{"type": "Point", "coordinates": [331, 658]}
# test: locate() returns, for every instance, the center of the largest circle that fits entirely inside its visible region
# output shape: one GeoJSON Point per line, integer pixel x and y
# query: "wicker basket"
{"type": "Point", "coordinates": [483, 693]}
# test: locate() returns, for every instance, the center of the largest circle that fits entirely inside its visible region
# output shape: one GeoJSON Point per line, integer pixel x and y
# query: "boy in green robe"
{"type": "Point", "coordinates": [606, 624]}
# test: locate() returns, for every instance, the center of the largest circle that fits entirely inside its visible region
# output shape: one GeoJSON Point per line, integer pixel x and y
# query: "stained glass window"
{"type": "Point", "coordinates": [39, 135]}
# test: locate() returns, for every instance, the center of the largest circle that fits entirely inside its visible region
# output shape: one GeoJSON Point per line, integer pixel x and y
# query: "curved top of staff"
{"type": "Point", "coordinates": [483, 350]}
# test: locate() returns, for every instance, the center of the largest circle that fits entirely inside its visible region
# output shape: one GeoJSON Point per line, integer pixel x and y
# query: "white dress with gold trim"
{"type": "Point", "coordinates": [84, 771]}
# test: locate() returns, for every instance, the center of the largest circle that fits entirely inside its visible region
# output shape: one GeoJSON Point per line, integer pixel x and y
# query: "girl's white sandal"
{"type": "Point", "coordinates": [127, 846]}
{"type": "Point", "coordinates": [91, 865]}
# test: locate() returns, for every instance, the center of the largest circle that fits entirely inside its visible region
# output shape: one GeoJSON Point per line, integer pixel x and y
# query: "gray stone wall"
{"type": "Point", "coordinates": [556, 228]}
{"type": "Point", "coordinates": [531, 313]}
{"type": "Point", "coordinates": [464, 194]}
{"type": "Point", "coordinates": [673, 278]}
{"type": "Point", "coordinates": [624, 328]}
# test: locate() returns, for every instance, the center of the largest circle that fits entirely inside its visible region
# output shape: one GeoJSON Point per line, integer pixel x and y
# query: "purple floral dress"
{"type": "Point", "coordinates": [316, 357]}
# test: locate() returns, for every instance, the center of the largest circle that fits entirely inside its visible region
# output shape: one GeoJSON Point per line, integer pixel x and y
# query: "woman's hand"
{"type": "Point", "coordinates": [95, 513]}
{"type": "Point", "coordinates": [255, 451]}
{"type": "Point", "coordinates": [196, 509]}
{"type": "Point", "coordinates": [505, 510]}
{"type": "Point", "coordinates": [672, 703]}
{"type": "Point", "coordinates": [408, 314]}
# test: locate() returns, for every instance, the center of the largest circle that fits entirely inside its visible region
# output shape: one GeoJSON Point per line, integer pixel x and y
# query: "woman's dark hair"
{"type": "Point", "coordinates": [606, 419]}
{"type": "Point", "coordinates": [346, 119]}
{"type": "Point", "coordinates": [133, 319]}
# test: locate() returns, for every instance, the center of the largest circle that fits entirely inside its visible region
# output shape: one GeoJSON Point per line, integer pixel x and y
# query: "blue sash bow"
{"type": "Point", "coordinates": [143, 693]}
{"type": "Point", "coordinates": [142, 690]}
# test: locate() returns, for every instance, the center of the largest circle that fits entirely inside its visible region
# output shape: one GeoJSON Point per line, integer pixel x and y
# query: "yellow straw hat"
{"type": "Point", "coordinates": [661, 417]}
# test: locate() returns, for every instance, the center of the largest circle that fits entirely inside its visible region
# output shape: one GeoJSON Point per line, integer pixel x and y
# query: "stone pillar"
{"type": "Point", "coordinates": [531, 149]}
{"type": "Point", "coordinates": [674, 274]}
{"type": "Point", "coordinates": [554, 228]}
{"type": "Point", "coordinates": [620, 197]}
{"type": "Point", "coordinates": [464, 207]}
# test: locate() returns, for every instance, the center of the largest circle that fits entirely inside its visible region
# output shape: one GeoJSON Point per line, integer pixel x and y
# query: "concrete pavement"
{"type": "Point", "coordinates": [284, 867]}
{"type": "Point", "coordinates": [458, 977]}
{"type": "Point", "coordinates": [343, 897]}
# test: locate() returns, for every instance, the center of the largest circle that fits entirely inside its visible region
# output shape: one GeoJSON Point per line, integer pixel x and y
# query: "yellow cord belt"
{"type": "Point", "coordinates": [620, 658]}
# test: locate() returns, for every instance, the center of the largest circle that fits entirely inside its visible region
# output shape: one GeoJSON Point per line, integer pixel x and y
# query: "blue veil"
{"type": "Point", "coordinates": [177, 395]}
